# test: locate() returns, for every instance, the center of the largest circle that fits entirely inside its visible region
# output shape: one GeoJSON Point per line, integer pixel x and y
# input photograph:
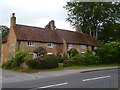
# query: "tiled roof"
{"type": "Point", "coordinates": [37, 34]}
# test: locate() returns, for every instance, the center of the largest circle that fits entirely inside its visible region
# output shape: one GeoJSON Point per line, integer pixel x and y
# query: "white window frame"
{"type": "Point", "coordinates": [34, 55]}
{"type": "Point", "coordinates": [83, 46]}
{"type": "Point", "coordinates": [70, 46]}
{"type": "Point", "coordinates": [50, 45]}
{"type": "Point", "coordinates": [31, 43]}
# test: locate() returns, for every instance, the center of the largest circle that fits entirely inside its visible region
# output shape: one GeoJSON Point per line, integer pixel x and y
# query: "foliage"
{"type": "Point", "coordinates": [5, 31]}
{"type": "Point", "coordinates": [67, 63]}
{"type": "Point", "coordinates": [77, 58]}
{"type": "Point", "coordinates": [45, 62]}
{"type": "Point", "coordinates": [16, 61]}
{"type": "Point", "coordinates": [73, 52]}
{"type": "Point", "coordinates": [62, 58]}
{"type": "Point", "coordinates": [109, 53]}
{"type": "Point", "coordinates": [91, 59]}
{"type": "Point", "coordinates": [19, 58]}
{"type": "Point", "coordinates": [8, 65]}
{"type": "Point", "coordinates": [98, 19]}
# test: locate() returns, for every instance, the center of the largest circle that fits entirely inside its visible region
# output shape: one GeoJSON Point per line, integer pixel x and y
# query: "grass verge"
{"type": "Point", "coordinates": [28, 70]}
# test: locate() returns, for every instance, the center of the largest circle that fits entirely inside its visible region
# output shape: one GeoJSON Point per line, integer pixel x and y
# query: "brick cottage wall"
{"type": "Point", "coordinates": [8, 48]}
{"type": "Point", "coordinates": [57, 48]}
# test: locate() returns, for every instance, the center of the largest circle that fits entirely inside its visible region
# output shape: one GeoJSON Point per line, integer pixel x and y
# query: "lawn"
{"type": "Point", "coordinates": [28, 70]}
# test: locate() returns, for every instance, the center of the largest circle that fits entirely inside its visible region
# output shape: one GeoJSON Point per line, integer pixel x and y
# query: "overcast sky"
{"type": "Point", "coordinates": [34, 12]}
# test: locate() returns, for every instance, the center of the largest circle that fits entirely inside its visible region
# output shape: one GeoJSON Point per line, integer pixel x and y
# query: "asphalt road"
{"type": "Point", "coordinates": [95, 79]}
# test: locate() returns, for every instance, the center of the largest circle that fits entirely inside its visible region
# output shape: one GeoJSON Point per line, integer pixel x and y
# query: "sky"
{"type": "Point", "coordinates": [35, 12]}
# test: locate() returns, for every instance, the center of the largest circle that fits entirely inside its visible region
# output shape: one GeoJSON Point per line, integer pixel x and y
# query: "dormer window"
{"type": "Point", "coordinates": [50, 45]}
{"type": "Point", "coordinates": [31, 43]}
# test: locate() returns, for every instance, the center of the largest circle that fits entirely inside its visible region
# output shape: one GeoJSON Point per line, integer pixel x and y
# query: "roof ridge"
{"type": "Point", "coordinates": [30, 26]}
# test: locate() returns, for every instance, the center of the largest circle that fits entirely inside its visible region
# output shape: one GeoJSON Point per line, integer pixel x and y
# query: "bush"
{"type": "Point", "coordinates": [51, 61]}
{"type": "Point", "coordinates": [8, 65]}
{"type": "Point", "coordinates": [64, 57]}
{"type": "Point", "coordinates": [77, 58]}
{"type": "Point", "coordinates": [91, 59]}
{"type": "Point", "coordinates": [16, 61]}
{"type": "Point", "coordinates": [74, 52]}
{"type": "Point", "coordinates": [67, 63]}
{"type": "Point", "coordinates": [109, 53]}
{"type": "Point", "coordinates": [19, 58]}
{"type": "Point", "coordinates": [86, 59]}
{"type": "Point", "coordinates": [46, 62]}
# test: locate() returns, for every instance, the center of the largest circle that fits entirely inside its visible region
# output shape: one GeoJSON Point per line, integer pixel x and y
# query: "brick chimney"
{"type": "Point", "coordinates": [78, 28]}
{"type": "Point", "coordinates": [51, 25]}
{"type": "Point", "coordinates": [13, 20]}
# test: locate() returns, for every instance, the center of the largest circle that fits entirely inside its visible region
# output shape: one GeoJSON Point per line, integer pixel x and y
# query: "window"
{"type": "Point", "coordinates": [70, 46]}
{"type": "Point", "coordinates": [34, 55]}
{"type": "Point", "coordinates": [31, 43]}
{"type": "Point", "coordinates": [83, 46]}
{"type": "Point", "coordinates": [95, 48]}
{"type": "Point", "coordinates": [50, 45]}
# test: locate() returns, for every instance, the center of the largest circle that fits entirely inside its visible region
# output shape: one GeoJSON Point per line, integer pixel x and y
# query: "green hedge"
{"type": "Point", "coordinates": [67, 63]}
{"type": "Point", "coordinates": [46, 62]}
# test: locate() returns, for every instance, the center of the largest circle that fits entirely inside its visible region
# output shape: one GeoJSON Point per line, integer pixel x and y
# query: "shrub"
{"type": "Point", "coordinates": [90, 59]}
{"type": "Point", "coordinates": [29, 61]}
{"type": "Point", "coordinates": [67, 63]}
{"type": "Point", "coordinates": [19, 58]}
{"type": "Point", "coordinates": [74, 52]}
{"type": "Point", "coordinates": [16, 61]}
{"type": "Point", "coordinates": [51, 61]}
{"type": "Point", "coordinates": [86, 59]}
{"type": "Point", "coordinates": [64, 57]}
{"type": "Point", "coordinates": [77, 58]}
{"type": "Point", "coordinates": [45, 62]}
{"type": "Point", "coordinates": [109, 53]}
{"type": "Point", "coordinates": [8, 65]}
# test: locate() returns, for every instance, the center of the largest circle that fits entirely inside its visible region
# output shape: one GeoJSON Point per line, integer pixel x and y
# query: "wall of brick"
{"type": "Point", "coordinates": [79, 49]}
{"type": "Point", "coordinates": [8, 48]}
{"type": "Point", "coordinates": [57, 48]}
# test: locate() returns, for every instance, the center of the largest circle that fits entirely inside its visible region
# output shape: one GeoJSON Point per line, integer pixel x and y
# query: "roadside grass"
{"type": "Point", "coordinates": [29, 70]}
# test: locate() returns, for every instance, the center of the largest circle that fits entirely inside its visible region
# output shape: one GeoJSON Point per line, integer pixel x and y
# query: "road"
{"type": "Point", "coordinates": [95, 79]}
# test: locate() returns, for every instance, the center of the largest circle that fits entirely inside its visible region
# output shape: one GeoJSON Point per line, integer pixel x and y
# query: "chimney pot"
{"type": "Point", "coordinates": [13, 14]}
{"type": "Point", "coordinates": [78, 28]}
{"type": "Point", "coordinates": [52, 24]}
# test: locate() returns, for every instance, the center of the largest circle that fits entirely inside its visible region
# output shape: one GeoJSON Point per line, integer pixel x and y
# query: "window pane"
{"type": "Point", "coordinates": [50, 45]}
{"type": "Point", "coordinates": [83, 46]}
{"type": "Point", "coordinates": [70, 46]}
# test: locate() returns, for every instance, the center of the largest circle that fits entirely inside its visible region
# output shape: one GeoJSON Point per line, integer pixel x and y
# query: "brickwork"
{"type": "Point", "coordinates": [23, 45]}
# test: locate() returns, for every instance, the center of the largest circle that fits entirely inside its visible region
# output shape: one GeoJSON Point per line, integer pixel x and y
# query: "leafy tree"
{"type": "Point", "coordinates": [5, 30]}
{"type": "Point", "coordinates": [94, 17]}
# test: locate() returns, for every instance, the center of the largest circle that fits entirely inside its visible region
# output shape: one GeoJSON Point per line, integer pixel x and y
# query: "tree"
{"type": "Point", "coordinates": [5, 30]}
{"type": "Point", "coordinates": [93, 16]}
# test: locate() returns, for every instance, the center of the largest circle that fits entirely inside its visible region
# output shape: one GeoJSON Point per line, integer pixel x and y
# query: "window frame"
{"type": "Point", "coordinates": [31, 43]}
{"type": "Point", "coordinates": [50, 45]}
{"type": "Point", "coordinates": [70, 46]}
{"type": "Point", "coordinates": [83, 46]}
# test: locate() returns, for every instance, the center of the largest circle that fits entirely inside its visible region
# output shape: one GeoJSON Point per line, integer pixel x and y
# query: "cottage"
{"type": "Point", "coordinates": [48, 40]}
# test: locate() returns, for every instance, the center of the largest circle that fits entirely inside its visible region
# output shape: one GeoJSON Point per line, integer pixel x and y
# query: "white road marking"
{"type": "Point", "coordinates": [49, 86]}
{"type": "Point", "coordinates": [96, 78]}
